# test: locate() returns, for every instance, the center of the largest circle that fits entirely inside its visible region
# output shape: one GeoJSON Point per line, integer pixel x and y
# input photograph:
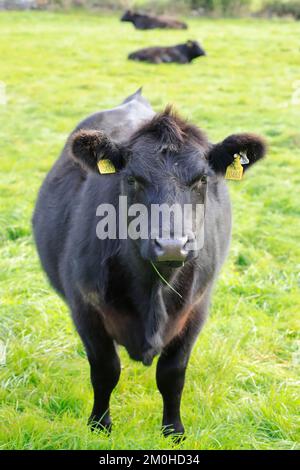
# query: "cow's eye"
{"type": "Point", "coordinates": [131, 180]}
{"type": "Point", "coordinates": [195, 184]}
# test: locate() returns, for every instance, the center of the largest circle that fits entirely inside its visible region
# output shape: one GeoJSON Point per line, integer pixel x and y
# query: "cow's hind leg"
{"type": "Point", "coordinates": [104, 365]}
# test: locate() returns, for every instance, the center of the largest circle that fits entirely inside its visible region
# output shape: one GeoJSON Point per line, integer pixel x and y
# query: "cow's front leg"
{"type": "Point", "coordinates": [104, 365]}
{"type": "Point", "coordinates": [170, 374]}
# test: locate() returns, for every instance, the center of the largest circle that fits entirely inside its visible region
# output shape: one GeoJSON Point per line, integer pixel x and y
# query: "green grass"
{"type": "Point", "coordinates": [241, 388]}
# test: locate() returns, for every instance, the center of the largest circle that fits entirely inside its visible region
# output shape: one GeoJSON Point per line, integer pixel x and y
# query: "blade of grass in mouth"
{"type": "Point", "coordinates": [165, 280]}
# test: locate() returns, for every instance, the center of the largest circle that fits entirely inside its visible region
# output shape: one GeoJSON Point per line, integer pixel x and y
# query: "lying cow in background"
{"type": "Point", "coordinates": [149, 294]}
{"type": "Point", "coordinates": [181, 54]}
{"type": "Point", "coordinates": [152, 22]}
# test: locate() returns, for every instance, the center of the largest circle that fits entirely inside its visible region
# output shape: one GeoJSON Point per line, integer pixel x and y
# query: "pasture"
{"type": "Point", "coordinates": [241, 386]}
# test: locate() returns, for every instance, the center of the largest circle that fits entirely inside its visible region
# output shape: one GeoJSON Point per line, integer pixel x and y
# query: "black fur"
{"type": "Point", "coordinates": [88, 147]}
{"type": "Point", "coordinates": [152, 22]}
{"type": "Point", "coordinates": [222, 154]}
{"type": "Point", "coordinates": [110, 285]}
{"type": "Point", "coordinates": [181, 53]}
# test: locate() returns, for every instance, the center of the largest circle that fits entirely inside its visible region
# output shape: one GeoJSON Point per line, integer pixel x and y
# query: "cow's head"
{"type": "Point", "coordinates": [167, 162]}
{"type": "Point", "coordinates": [194, 49]}
{"type": "Point", "coordinates": [128, 16]}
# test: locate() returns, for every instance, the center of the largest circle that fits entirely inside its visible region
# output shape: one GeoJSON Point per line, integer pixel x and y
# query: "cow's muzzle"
{"type": "Point", "coordinates": [171, 249]}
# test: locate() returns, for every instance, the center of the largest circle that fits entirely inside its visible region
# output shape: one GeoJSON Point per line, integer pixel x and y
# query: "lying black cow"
{"type": "Point", "coordinates": [152, 22]}
{"type": "Point", "coordinates": [114, 286]}
{"type": "Point", "coordinates": [182, 53]}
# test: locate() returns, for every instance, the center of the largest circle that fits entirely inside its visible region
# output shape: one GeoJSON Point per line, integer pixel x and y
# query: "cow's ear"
{"type": "Point", "coordinates": [90, 146]}
{"type": "Point", "coordinates": [249, 146]}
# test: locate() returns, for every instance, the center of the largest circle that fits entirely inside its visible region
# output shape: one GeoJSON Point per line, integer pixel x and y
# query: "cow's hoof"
{"type": "Point", "coordinates": [176, 433]}
{"type": "Point", "coordinates": [178, 438]}
{"type": "Point", "coordinates": [100, 424]}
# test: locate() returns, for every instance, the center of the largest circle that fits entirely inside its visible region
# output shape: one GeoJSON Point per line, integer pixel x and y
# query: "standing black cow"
{"type": "Point", "coordinates": [152, 22]}
{"type": "Point", "coordinates": [112, 286]}
{"type": "Point", "coordinates": [182, 53]}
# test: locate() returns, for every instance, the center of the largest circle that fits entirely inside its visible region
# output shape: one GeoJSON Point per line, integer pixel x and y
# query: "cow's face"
{"type": "Point", "coordinates": [165, 171]}
{"type": "Point", "coordinates": [169, 177]}
{"type": "Point", "coordinates": [195, 49]}
{"type": "Point", "coordinates": [128, 16]}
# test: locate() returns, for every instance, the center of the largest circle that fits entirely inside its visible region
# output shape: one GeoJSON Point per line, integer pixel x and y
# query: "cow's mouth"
{"type": "Point", "coordinates": [170, 264]}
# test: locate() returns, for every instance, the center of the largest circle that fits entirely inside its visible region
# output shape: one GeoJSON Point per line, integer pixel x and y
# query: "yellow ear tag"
{"type": "Point", "coordinates": [106, 166]}
{"type": "Point", "coordinates": [235, 170]}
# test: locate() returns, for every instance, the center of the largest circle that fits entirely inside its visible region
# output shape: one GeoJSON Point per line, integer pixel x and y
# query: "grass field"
{"type": "Point", "coordinates": [241, 388]}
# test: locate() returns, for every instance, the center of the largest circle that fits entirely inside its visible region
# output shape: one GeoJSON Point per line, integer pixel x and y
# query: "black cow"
{"type": "Point", "coordinates": [182, 53]}
{"type": "Point", "coordinates": [113, 286]}
{"type": "Point", "coordinates": [152, 22]}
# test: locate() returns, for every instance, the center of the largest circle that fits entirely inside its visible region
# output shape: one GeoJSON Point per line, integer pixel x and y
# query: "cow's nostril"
{"type": "Point", "coordinates": [190, 240]}
{"type": "Point", "coordinates": [158, 247]}
{"type": "Point", "coordinates": [157, 243]}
